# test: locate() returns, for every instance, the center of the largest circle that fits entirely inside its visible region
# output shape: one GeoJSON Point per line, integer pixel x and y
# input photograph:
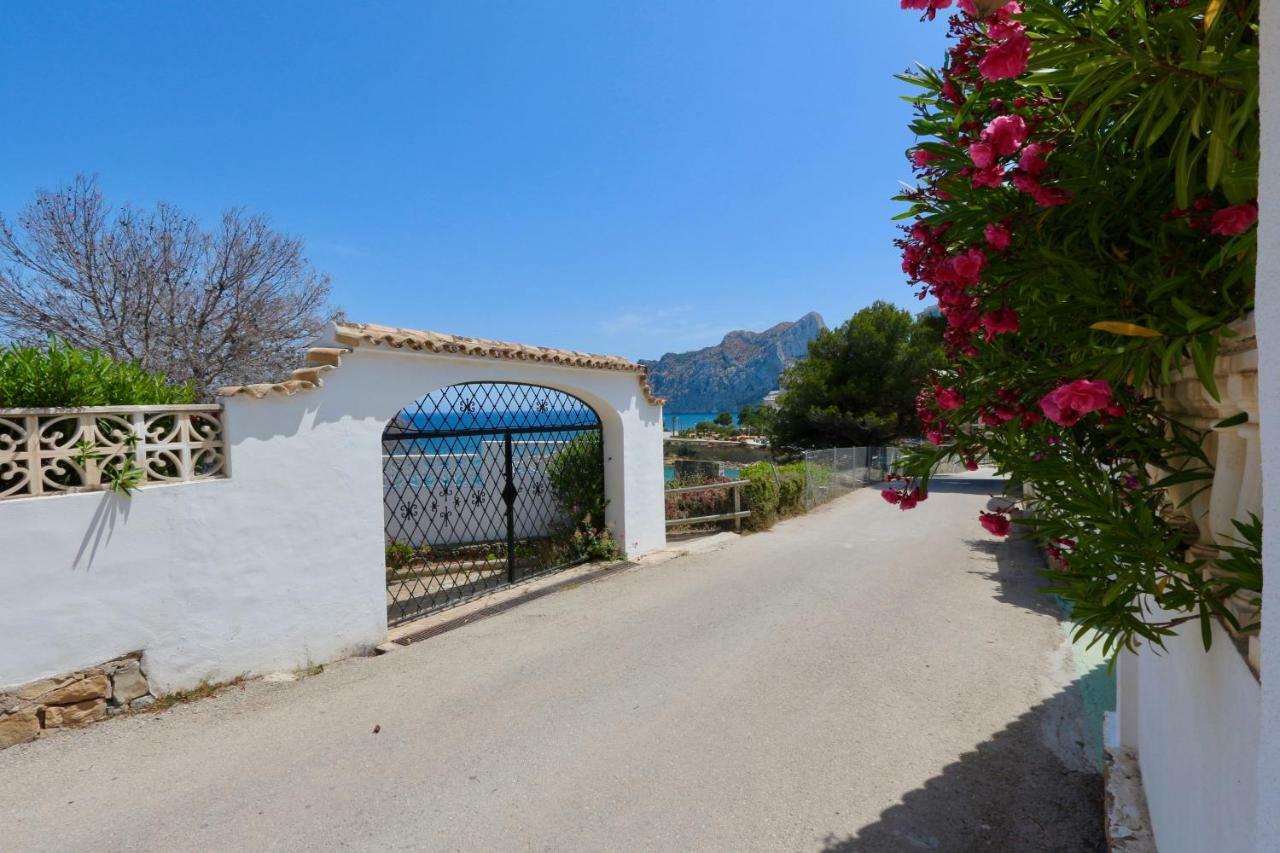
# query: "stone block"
{"type": "Point", "coordinates": [92, 687]}
{"type": "Point", "coordinates": [19, 727]}
{"type": "Point", "coordinates": [36, 689]}
{"type": "Point", "coordinates": [128, 683]}
{"type": "Point", "coordinates": [88, 711]}
{"type": "Point", "coordinates": [143, 702]}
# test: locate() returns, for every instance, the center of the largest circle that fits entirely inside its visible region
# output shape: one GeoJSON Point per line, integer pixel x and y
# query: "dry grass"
{"type": "Point", "coordinates": [203, 690]}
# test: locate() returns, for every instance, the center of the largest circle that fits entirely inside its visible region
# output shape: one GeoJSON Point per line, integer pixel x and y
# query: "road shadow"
{"type": "Point", "coordinates": [1030, 788]}
{"type": "Point", "coordinates": [967, 484]}
{"type": "Point", "coordinates": [1018, 575]}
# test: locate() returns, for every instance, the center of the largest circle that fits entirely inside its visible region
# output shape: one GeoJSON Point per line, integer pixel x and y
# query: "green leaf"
{"type": "Point", "coordinates": [1234, 420]}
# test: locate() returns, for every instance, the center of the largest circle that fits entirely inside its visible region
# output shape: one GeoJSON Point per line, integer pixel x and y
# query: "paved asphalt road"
{"type": "Point", "coordinates": [858, 679]}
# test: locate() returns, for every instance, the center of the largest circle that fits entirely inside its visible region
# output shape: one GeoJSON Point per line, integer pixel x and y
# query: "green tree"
{"type": "Point", "coordinates": [724, 419]}
{"type": "Point", "coordinates": [757, 418]}
{"type": "Point", "coordinates": [858, 385]}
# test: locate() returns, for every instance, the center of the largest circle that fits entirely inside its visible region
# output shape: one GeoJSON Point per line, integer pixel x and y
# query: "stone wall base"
{"type": "Point", "coordinates": [83, 697]}
{"type": "Point", "coordinates": [1128, 823]}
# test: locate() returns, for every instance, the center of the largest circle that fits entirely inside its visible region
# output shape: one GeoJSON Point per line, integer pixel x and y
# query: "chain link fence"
{"type": "Point", "coordinates": [760, 493]}
{"type": "Point", "coordinates": [835, 471]}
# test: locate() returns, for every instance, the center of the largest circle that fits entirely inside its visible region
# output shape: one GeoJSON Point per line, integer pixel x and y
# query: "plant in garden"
{"type": "Point", "coordinates": [699, 503]}
{"type": "Point", "coordinates": [577, 480]}
{"type": "Point", "coordinates": [593, 543]}
{"type": "Point", "coordinates": [1084, 216]}
{"type": "Point", "coordinates": [400, 556]}
{"type": "Point", "coordinates": [57, 374]}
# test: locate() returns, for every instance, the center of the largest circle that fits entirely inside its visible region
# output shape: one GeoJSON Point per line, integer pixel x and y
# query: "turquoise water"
{"type": "Point", "coordinates": [676, 421]}
{"type": "Point", "coordinates": [669, 472]}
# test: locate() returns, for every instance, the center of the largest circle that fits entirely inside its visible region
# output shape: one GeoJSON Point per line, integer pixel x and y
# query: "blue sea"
{"type": "Point", "coordinates": [676, 421]}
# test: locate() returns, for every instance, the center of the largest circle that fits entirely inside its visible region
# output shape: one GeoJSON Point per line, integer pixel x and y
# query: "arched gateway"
{"type": "Point", "coordinates": [482, 478]}
{"type": "Point", "coordinates": [486, 484]}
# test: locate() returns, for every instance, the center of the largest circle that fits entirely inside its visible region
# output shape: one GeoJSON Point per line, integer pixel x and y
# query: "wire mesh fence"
{"type": "Point", "coordinates": [835, 471]}
{"type": "Point", "coordinates": [772, 490]}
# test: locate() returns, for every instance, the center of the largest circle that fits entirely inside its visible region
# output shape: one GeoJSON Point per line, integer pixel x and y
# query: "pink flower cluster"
{"type": "Point", "coordinates": [1008, 55]}
{"type": "Point", "coordinates": [996, 523]}
{"type": "Point", "coordinates": [906, 497]}
{"type": "Point", "coordinates": [1068, 403]}
{"type": "Point", "coordinates": [929, 7]}
{"type": "Point", "coordinates": [1225, 222]}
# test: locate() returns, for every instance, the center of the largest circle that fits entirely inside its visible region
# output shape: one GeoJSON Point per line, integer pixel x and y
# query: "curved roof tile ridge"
{"type": "Point", "coordinates": [320, 360]}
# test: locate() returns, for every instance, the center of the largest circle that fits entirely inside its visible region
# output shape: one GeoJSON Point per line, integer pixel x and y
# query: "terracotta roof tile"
{"type": "Point", "coordinates": [323, 359]}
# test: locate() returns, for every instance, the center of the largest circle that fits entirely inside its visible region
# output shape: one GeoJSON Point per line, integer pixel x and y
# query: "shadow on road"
{"type": "Point", "coordinates": [966, 485]}
{"type": "Point", "coordinates": [1018, 574]}
{"type": "Point", "coordinates": [1030, 787]}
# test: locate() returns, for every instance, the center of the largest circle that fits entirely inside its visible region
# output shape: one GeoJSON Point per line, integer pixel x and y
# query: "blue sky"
{"type": "Point", "coordinates": [618, 177]}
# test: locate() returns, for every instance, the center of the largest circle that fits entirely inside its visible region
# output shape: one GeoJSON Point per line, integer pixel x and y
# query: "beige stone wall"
{"type": "Point", "coordinates": [29, 711]}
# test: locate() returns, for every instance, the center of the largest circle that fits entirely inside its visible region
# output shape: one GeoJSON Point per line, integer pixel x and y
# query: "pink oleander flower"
{"type": "Point", "coordinates": [935, 437]}
{"type": "Point", "coordinates": [1002, 321]}
{"type": "Point", "coordinates": [1051, 196]}
{"type": "Point", "coordinates": [891, 495]}
{"type": "Point", "coordinates": [982, 154]}
{"type": "Point", "coordinates": [1068, 403]}
{"type": "Point", "coordinates": [1032, 161]}
{"type": "Point", "coordinates": [1006, 59]}
{"type": "Point", "coordinates": [1005, 134]}
{"type": "Point", "coordinates": [1233, 220]}
{"type": "Point", "coordinates": [1025, 183]}
{"type": "Point", "coordinates": [922, 158]}
{"type": "Point", "coordinates": [970, 464]}
{"type": "Point", "coordinates": [968, 267]}
{"type": "Point", "coordinates": [929, 7]}
{"type": "Point", "coordinates": [995, 523]}
{"type": "Point", "coordinates": [949, 399]}
{"type": "Point", "coordinates": [998, 236]}
{"type": "Point", "coordinates": [992, 177]}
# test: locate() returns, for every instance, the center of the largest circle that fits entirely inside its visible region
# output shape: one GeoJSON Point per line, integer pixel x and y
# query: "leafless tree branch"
{"type": "Point", "coordinates": [229, 305]}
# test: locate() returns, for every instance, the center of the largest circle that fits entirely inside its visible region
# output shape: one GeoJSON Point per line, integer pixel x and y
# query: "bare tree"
{"type": "Point", "coordinates": [229, 305]}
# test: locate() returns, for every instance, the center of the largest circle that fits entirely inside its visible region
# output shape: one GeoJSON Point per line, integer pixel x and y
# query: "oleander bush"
{"type": "Point", "coordinates": [1084, 215]}
{"type": "Point", "coordinates": [56, 374]}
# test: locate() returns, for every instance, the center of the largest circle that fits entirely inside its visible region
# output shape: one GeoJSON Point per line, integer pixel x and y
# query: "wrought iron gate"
{"type": "Point", "coordinates": [483, 485]}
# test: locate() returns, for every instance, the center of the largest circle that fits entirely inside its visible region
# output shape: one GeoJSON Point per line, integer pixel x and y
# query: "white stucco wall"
{"type": "Point", "coordinates": [1267, 319]}
{"type": "Point", "coordinates": [1193, 717]}
{"type": "Point", "coordinates": [281, 565]}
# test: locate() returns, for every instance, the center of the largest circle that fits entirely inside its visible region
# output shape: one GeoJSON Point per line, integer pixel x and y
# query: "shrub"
{"type": "Point", "coordinates": [762, 495]}
{"type": "Point", "coordinates": [790, 488]}
{"type": "Point", "coordinates": [577, 480]}
{"type": "Point", "coordinates": [400, 555]}
{"type": "Point", "coordinates": [699, 503]}
{"type": "Point", "coordinates": [593, 543]}
{"type": "Point", "coordinates": [59, 375]}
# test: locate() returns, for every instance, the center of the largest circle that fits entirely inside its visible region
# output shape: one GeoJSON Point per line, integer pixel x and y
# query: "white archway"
{"type": "Point", "coordinates": [333, 412]}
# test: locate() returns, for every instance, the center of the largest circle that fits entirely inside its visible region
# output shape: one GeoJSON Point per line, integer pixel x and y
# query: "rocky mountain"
{"type": "Point", "coordinates": [741, 369]}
